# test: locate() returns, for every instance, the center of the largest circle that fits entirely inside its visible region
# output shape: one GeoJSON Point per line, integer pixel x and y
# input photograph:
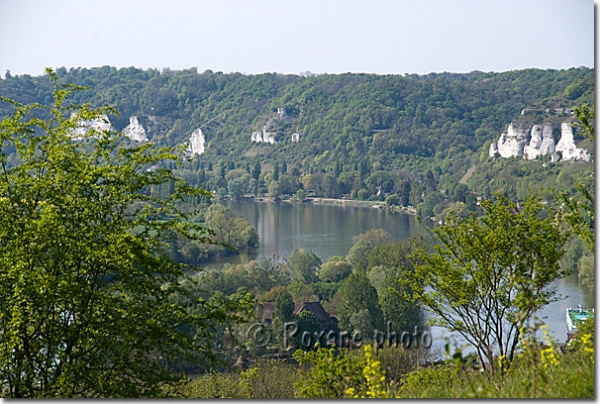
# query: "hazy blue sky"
{"type": "Point", "coordinates": [321, 36]}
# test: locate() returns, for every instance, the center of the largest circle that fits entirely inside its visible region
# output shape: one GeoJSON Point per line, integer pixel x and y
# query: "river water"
{"type": "Point", "coordinates": [328, 230]}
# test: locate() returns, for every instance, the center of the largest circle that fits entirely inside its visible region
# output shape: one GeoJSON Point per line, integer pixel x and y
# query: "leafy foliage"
{"type": "Point", "coordinates": [488, 275]}
{"type": "Point", "coordinates": [334, 371]}
{"type": "Point", "coordinates": [85, 306]}
{"type": "Point", "coordinates": [402, 133]}
{"type": "Point", "coordinates": [303, 264]}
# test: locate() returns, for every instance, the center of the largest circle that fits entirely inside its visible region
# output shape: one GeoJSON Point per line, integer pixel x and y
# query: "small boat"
{"type": "Point", "coordinates": [575, 317]}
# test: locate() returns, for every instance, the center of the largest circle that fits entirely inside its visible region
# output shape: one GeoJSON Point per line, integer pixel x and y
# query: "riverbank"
{"type": "Point", "coordinates": [345, 202]}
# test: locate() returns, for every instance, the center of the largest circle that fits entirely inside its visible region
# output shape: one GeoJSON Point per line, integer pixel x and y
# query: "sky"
{"type": "Point", "coordinates": [284, 36]}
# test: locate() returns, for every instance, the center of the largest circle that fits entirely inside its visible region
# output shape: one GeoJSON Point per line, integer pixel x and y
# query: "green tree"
{"type": "Point", "coordinates": [398, 309]}
{"type": "Point", "coordinates": [392, 200]}
{"type": "Point", "coordinates": [488, 275]}
{"type": "Point", "coordinates": [233, 233]}
{"type": "Point", "coordinates": [358, 256]}
{"type": "Point", "coordinates": [329, 186]}
{"type": "Point", "coordinates": [85, 303]}
{"type": "Point", "coordinates": [308, 182]}
{"type": "Point", "coordinates": [585, 271]}
{"type": "Point", "coordinates": [300, 196]}
{"type": "Point", "coordinates": [256, 171]}
{"type": "Point", "coordinates": [580, 211]}
{"type": "Point", "coordinates": [275, 189]}
{"type": "Point", "coordinates": [333, 372]}
{"type": "Point", "coordinates": [358, 295]}
{"type": "Point", "coordinates": [373, 237]}
{"type": "Point", "coordinates": [284, 307]}
{"type": "Point", "coordinates": [335, 269]}
{"type": "Point", "coordinates": [460, 193]}
{"type": "Point", "coordinates": [237, 187]}
{"type": "Point", "coordinates": [387, 264]}
{"type": "Point", "coordinates": [303, 264]}
{"type": "Point", "coordinates": [363, 194]}
{"type": "Point", "coordinates": [307, 323]}
{"type": "Point", "coordinates": [283, 313]}
{"type": "Point", "coordinates": [404, 193]}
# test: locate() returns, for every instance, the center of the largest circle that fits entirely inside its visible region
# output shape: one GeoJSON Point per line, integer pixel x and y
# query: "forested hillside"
{"type": "Point", "coordinates": [408, 131]}
{"type": "Point", "coordinates": [98, 231]}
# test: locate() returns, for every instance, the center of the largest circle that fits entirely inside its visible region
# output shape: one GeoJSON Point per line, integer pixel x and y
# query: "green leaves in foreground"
{"type": "Point", "coordinates": [86, 306]}
{"type": "Point", "coordinates": [487, 276]}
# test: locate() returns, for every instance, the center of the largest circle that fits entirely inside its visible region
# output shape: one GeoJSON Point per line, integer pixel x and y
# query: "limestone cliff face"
{"type": "Point", "coordinates": [135, 131]}
{"type": "Point", "coordinates": [99, 124]}
{"type": "Point", "coordinates": [197, 143]}
{"type": "Point", "coordinates": [541, 143]}
{"type": "Point", "coordinates": [548, 146]}
{"type": "Point", "coordinates": [257, 137]}
{"type": "Point", "coordinates": [512, 142]}
{"type": "Point", "coordinates": [265, 136]}
{"type": "Point", "coordinates": [567, 146]}
{"type": "Point", "coordinates": [493, 149]}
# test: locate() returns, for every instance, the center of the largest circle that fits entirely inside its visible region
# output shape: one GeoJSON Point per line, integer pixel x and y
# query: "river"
{"type": "Point", "coordinates": [328, 230]}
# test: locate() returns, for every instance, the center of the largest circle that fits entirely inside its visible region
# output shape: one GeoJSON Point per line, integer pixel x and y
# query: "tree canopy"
{"type": "Point", "coordinates": [488, 275]}
{"type": "Point", "coordinates": [90, 304]}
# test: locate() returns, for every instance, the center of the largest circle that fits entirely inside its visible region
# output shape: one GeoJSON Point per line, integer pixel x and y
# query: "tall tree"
{"type": "Point", "coordinates": [276, 171]}
{"type": "Point", "coordinates": [488, 275]}
{"type": "Point", "coordinates": [392, 262]}
{"type": "Point", "coordinates": [283, 313]}
{"type": "Point", "coordinates": [256, 171]}
{"type": "Point", "coordinates": [581, 210]}
{"type": "Point", "coordinates": [86, 305]}
{"type": "Point", "coordinates": [360, 303]}
{"type": "Point", "coordinates": [303, 264]}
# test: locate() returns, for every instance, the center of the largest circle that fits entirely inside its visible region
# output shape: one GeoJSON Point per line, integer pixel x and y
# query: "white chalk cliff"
{"type": "Point", "coordinates": [265, 136]}
{"type": "Point", "coordinates": [513, 143]}
{"type": "Point", "coordinates": [135, 131]}
{"type": "Point", "coordinates": [197, 143]}
{"type": "Point", "coordinates": [99, 124]}
{"type": "Point", "coordinates": [541, 143]}
{"type": "Point", "coordinates": [493, 149]}
{"type": "Point", "coordinates": [567, 147]}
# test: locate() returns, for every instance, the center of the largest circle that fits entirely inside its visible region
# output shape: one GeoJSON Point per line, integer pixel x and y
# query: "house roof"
{"type": "Point", "coordinates": [313, 307]}
{"type": "Point", "coordinates": [264, 310]}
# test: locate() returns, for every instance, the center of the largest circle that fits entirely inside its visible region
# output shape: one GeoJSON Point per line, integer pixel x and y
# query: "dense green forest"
{"type": "Point", "coordinates": [359, 131]}
{"type": "Point", "coordinates": [415, 141]}
{"type": "Point", "coordinates": [99, 233]}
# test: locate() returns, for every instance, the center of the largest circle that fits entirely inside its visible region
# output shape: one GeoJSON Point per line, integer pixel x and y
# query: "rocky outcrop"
{"type": "Point", "coordinates": [269, 138]}
{"type": "Point", "coordinates": [265, 136]}
{"type": "Point", "coordinates": [512, 142]}
{"type": "Point", "coordinates": [197, 143]}
{"type": "Point", "coordinates": [135, 131]}
{"type": "Point", "coordinates": [100, 124]}
{"type": "Point", "coordinates": [493, 149]}
{"type": "Point", "coordinates": [532, 150]}
{"type": "Point", "coordinates": [548, 146]}
{"type": "Point", "coordinates": [257, 137]}
{"type": "Point", "coordinates": [541, 143]}
{"type": "Point", "coordinates": [567, 146]}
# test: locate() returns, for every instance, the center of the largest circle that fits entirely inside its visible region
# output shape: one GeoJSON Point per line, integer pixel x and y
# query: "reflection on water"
{"type": "Point", "coordinates": [327, 230]}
